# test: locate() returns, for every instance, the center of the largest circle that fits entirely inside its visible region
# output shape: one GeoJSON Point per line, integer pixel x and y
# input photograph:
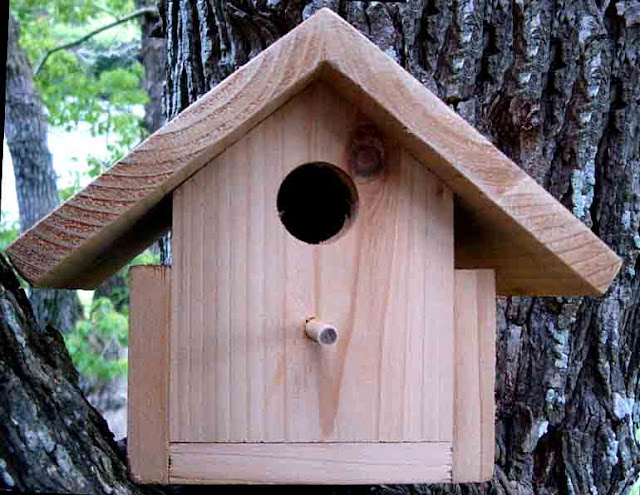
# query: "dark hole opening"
{"type": "Point", "coordinates": [316, 201]}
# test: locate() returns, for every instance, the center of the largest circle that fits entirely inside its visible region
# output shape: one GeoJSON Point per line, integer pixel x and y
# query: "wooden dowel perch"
{"type": "Point", "coordinates": [321, 332]}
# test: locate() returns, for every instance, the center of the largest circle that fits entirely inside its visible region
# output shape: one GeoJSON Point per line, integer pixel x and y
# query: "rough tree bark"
{"type": "Point", "coordinates": [51, 438]}
{"type": "Point", "coordinates": [25, 128]}
{"type": "Point", "coordinates": [556, 86]}
{"type": "Point", "coordinates": [153, 56]}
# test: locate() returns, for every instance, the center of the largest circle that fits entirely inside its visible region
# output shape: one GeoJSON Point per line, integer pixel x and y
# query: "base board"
{"type": "Point", "coordinates": [310, 463]}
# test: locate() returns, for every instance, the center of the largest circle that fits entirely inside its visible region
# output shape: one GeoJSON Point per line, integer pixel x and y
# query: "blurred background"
{"type": "Point", "coordinates": [78, 98]}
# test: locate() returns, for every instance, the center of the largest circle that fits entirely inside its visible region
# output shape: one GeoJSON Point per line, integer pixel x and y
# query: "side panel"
{"type": "Point", "coordinates": [475, 362]}
{"type": "Point", "coordinates": [148, 407]}
{"type": "Point", "coordinates": [242, 369]}
{"type": "Point", "coordinates": [312, 463]}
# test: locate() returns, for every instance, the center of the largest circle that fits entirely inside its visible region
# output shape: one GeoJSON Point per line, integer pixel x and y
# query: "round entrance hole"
{"type": "Point", "coordinates": [316, 202]}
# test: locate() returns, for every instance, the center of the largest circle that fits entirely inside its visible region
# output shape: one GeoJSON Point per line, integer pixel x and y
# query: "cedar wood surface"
{"type": "Point", "coordinates": [148, 388]}
{"type": "Point", "coordinates": [473, 443]}
{"type": "Point", "coordinates": [242, 368]}
{"type": "Point", "coordinates": [363, 462]}
{"type": "Point", "coordinates": [474, 357]}
{"type": "Point", "coordinates": [536, 246]}
{"type": "Point", "coordinates": [310, 463]}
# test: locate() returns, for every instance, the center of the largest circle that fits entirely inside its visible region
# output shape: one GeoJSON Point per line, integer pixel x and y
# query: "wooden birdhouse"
{"type": "Point", "coordinates": [339, 238]}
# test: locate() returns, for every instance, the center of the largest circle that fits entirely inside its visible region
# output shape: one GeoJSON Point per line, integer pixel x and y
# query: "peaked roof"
{"type": "Point", "coordinates": [504, 219]}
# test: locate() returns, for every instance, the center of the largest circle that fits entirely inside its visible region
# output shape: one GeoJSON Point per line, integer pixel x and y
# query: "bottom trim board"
{"type": "Point", "coordinates": [310, 463]}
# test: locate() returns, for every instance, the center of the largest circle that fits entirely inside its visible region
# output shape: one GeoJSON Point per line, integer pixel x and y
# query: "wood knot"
{"type": "Point", "coordinates": [366, 151]}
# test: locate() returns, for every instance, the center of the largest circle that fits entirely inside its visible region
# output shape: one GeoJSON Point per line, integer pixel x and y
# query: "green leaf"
{"type": "Point", "coordinates": [98, 82]}
{"type": "Point", "coordinates": [95, 344]}
{"type": "Point", "coordinates": [9, 231]}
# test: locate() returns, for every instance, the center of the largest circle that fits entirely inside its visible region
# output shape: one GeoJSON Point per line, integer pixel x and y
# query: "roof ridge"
{"type": "Point", "coordinates": [323, 47]}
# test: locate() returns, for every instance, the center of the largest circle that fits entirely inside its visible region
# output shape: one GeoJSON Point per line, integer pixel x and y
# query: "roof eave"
{"type": "Point", "coordinates": [57, 252]}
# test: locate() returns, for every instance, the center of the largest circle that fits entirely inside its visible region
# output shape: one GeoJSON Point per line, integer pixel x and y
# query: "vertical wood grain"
{"type": "Point", "coordinates": [474, 409]}
{"type": "Point", "coordinates": [148, 408]}
{"type": "Point", "coordinates": [254, 168]}
{"type": "Point", "coordinates": [386, 284]}
{"type": "Point", "coordinates": [180, 336]}
{"type": "Point", "coordinates": [210, 250]}
{"type": "Point", "coordinates": [274, 259]}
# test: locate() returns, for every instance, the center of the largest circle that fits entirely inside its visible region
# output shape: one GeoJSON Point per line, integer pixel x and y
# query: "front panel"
{"type": "Point", "coordinates": [242, 369]}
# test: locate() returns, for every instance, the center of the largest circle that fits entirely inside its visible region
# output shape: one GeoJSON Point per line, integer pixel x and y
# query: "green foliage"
{"type": "Point", "coordinates": [147, 257]}
{"type": "Point", "coordinates": [9, 230]}
{"type": "Point", "coordinates": [96, 343]}
{"type": "Point", "coordinates": [73, 11]}
{"type": "Point", "coordinates": [76, 185]}
{"type": "Point", "coordinates": [97, 82]}
{"type": "Point", "coordinates": [635, 489]}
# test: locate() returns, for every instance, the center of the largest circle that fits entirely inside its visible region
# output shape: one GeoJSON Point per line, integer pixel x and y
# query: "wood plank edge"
{"type": "Point", "coordinates": [138, 468]}
{"type": "Point", "coordinates": [184, 456]}
{"type": "Point", "coordinates": [474, 451]}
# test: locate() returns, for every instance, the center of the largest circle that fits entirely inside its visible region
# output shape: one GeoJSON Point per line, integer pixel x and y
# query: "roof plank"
{"type": "Point", "coordinates": [505, 220]}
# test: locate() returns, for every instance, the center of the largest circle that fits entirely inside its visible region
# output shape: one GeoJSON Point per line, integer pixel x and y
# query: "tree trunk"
{"type": "Point", "coordinates": [26, 131]}
{"type": "Point", "coordinates": [51, 438]}
{"type": "Point", "coordinates": [154, 56]}
{"type": "Point", "coordinates": [556, 86]}
{"type": "Point", "coordinates": [25, 128]}
{"type": "Point", "coordinates": [153, 59]}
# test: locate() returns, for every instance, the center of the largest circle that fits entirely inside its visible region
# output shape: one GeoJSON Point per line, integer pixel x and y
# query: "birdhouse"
{"type": "Point", "coordinates": [339, 238]}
